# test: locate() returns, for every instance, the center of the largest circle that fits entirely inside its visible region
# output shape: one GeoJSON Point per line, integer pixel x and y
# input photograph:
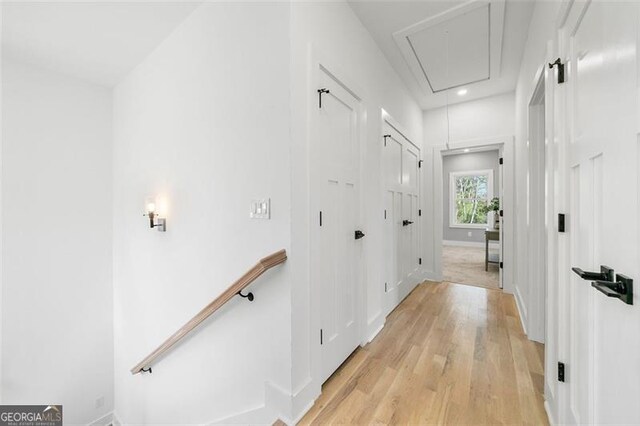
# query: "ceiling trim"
{"type": "Point", "coordinates": [496, 30]}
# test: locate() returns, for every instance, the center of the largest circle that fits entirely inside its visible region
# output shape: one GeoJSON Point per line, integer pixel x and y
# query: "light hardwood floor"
{"type": "Point", "coordinates": [449, 354]}
{"type": "Point", "coordinates": [465, 265]}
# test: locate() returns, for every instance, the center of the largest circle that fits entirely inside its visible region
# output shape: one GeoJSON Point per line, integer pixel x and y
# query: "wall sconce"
{"type": "Point", "coordinates": [154, 221]}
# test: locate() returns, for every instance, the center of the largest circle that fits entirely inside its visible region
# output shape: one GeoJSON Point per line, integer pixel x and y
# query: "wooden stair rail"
{"type": "Point", "coordinates": [260, 268]}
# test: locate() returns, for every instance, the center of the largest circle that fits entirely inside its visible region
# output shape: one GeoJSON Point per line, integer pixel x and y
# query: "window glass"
{"type": "Point", "coordinates": [470, 195]}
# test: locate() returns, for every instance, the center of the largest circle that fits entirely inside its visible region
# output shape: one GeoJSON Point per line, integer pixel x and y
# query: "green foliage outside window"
{"type": "Point", "coordinates": [471, 199]}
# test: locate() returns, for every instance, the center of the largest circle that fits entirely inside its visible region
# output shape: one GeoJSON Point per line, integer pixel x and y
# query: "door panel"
{"type": "Point", "coordinates": [336, 171]}
{"type": "Point", "coordinates": [603, 349]}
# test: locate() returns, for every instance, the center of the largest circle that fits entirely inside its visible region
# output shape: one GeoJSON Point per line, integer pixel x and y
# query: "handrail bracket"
{"type": "Point", "coordinates": [246, 296]}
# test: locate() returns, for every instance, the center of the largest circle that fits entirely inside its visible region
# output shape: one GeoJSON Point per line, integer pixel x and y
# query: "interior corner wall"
{"type": "Point", "coordinates": [56, 179]}
{"type": "Point", "coordinates": [486, 160]}
{"type": "Point", "coordinates": [203, 123]}
{"type": "Point", "coordinates": [333, 31]}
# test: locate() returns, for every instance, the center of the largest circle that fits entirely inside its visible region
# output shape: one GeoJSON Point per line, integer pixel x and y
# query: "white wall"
{"type": "Point", "coordinates": [331, 30]}
{"type": "Point", "coordinates": [204, 122]}
{"type": "Point", "coordinates": [57, 310]}
{"type": "Point", "coordinates": [479, 119]}
{"type": "Point", "coordinates": [487, 160]}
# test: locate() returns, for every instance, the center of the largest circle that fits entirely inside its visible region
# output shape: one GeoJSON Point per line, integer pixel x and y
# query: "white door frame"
{"type": "Point", "coordinates": [320, 64]}
{"type": "Point", "coordinates": [537, 155]}
{"type": "Point", "coordinates": [507, 145]}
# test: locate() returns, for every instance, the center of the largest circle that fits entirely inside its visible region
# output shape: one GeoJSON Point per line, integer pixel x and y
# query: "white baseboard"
{"type": "Point", "coordinates": [522, 311]}
{"type": "Point", "coordinates": [374, 333]}
{"type": "Point", "coordinates": [492, 244]}
{"type": "Point", "coordinates": [106, 420]}
{"type": "Point", "coordinates": [256, 415]}
{"type": "Point", "coordinates": [432, 276]}
{"type": "Point", "coordinates": [277, 403]}
{"type": "Point", "coordinates": [374, 325]}
{"type": "Point", "coordinates": [304, 398]}
{"type": "Point", "coordinates": [550, 416]}
{"type": "Point", "coordinates": [280, 401]}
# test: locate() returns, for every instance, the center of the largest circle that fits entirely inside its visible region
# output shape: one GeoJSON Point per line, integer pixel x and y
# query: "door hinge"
{"type": "Point", "coordinates": [320, 92]}
{"type": "Point", "coordinates": [321, 218]}
{"type": "Point", "coordinates": [501, 213]}
{"type": "Point", "coordinates": [419, 261]}
{"type": "Point", "coordinates": [321, 336]}
{"type": "Point", "coordinates": [501, 160]}
{"type": "Point", "coordinates": [385, 287]}
{"type": "Point", "coordinates": [419, 212]}
{"type": "Point", "coordinates": [560, 66]}
{"type": "Point", "coordinates": [385, 213]}
{"type": "Point", "coordinates": [561, 371]}
{"type": "Point", "coordinates": [385, 139]}
{"type": "Point", "coordinates": [501, 265]}
{"type": "Point", "coordinates": [419, 164]}
{"type": "Point", "coordinates": [560, 222]}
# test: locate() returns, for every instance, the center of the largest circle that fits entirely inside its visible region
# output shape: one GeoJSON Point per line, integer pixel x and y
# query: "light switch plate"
{"type": "Point", "coordinates": [260, 209]}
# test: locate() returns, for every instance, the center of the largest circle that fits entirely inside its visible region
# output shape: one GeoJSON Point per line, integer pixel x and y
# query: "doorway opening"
{"type": "Point", "coordinates": [538, 215]}
{"type": "Point", "coordinates": [472, 195]}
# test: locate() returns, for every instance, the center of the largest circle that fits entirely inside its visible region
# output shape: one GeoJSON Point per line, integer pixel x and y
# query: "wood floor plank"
{"type": "Point", "coordinates": [448, 354]}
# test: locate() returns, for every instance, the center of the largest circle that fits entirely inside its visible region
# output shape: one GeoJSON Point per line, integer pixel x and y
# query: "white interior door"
{"type": "Point", "coordinates": [401, 197]}
{"type": "Point", "coordinates": [337, 191]}
{"type": "Point", "coordinates": [411, 157]}
{"type": "Point", "coordinates": [602, 345]}
{"type": "Point", "coordinates": [500, 217]}
{"type": "Point", "coordinates": [393, 198]}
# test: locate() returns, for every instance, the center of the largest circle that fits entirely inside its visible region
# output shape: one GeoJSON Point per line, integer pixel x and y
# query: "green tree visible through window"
{"type": "Point", "coordinates": [471, 196]}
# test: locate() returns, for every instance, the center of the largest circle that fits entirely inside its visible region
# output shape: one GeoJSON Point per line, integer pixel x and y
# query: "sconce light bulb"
{"type": "Point", "coordinates": [151, 207]}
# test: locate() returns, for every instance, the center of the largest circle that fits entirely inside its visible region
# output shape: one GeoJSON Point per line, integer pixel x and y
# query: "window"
{"type": "Point", "coordinates": [469, 193]}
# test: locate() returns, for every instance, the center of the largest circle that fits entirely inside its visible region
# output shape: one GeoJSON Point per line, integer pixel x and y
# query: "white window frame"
{"type": "Point", "coordinates": [452, 197]}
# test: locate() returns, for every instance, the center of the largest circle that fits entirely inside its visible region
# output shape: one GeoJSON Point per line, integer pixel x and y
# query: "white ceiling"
{"type": "Point", "coordinates": [96, 41]}
{"type": "Point", "coordinates": [483, 54]}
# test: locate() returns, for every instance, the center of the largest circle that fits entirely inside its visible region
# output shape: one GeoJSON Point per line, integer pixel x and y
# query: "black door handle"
{"type": "Point", "coordinates": [406, 222]}
{"type": "Point", "coordinates": [605, 274]}
{"type": "Point", "coordinates": [359, 234]}
{"type": "Point", "coordinates": [621, 289]}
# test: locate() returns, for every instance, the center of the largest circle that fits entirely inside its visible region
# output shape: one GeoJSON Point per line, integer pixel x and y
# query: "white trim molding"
{"type": "Point", "coordinates": [452, 243]}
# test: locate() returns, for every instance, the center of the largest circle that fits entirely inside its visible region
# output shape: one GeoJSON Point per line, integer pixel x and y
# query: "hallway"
{"type": "Point", "coordinates": [345, 211]}
{"type": "Point", "coordinates": [449, 354]}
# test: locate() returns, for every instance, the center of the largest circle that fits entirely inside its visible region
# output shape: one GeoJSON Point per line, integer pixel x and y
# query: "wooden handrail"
{"type": "Point", "coordinates": [253, 273]}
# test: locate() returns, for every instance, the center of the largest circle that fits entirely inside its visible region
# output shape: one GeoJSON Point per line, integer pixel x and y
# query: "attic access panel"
{"type": "Point", "coordinates": [460, 46]}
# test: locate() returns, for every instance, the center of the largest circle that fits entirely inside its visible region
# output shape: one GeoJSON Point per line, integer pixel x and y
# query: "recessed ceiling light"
{"type": "Point", "coordinates": [462, 92]}
{"type": "Point", "coordinates": [467, 150]}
